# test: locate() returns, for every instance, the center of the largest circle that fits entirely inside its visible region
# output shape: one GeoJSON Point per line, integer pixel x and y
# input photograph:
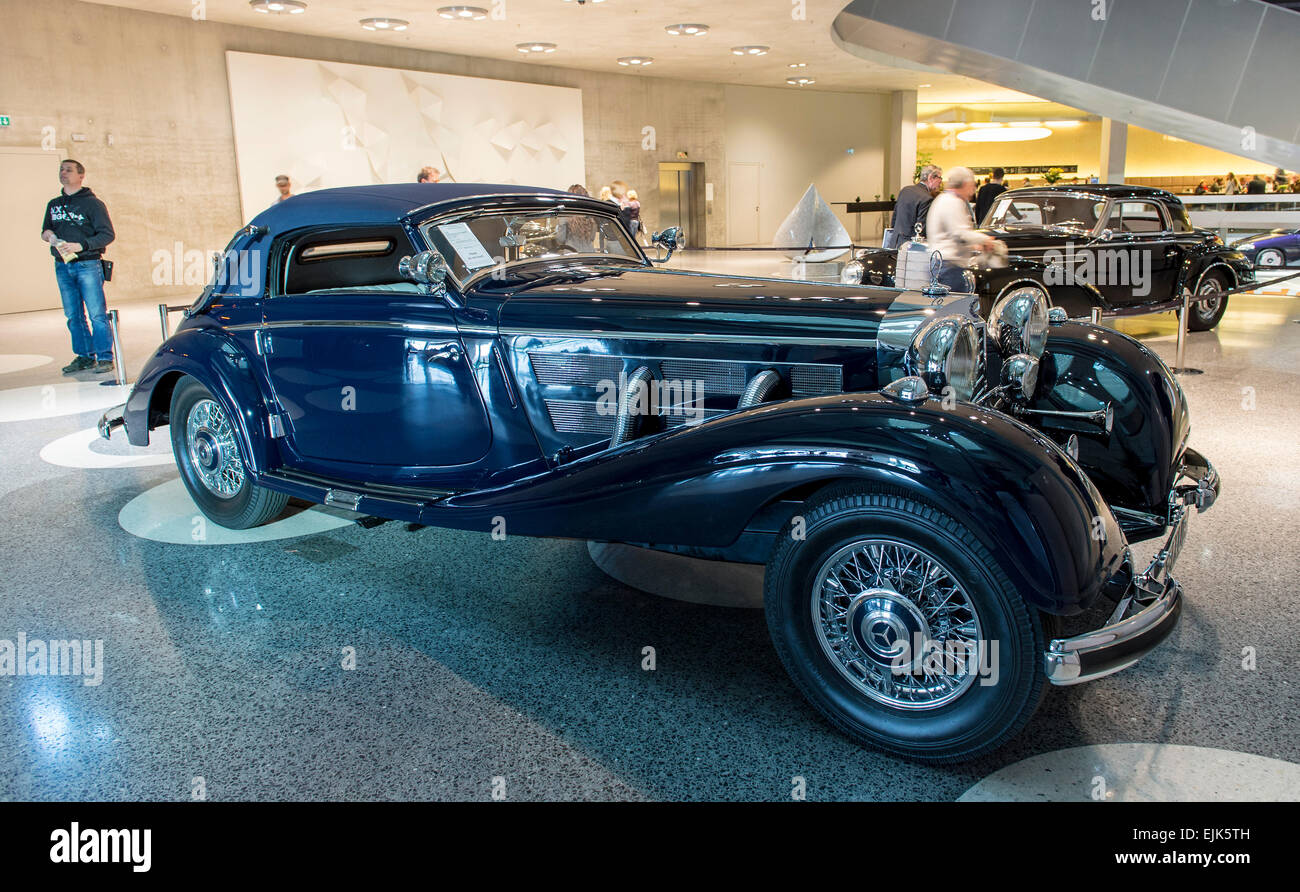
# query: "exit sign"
{"type": "Point", "coordinates": [4, 120]}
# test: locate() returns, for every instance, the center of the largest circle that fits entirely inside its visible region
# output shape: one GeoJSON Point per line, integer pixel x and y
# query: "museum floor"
{"type": "Point", "coordinates": [518, 659]}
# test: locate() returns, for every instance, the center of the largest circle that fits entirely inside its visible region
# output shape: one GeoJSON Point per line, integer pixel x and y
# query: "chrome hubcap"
{"type": "Point", "coordinates": [896, 624]}
{"type": "Point", "coordinates": [1270, 258]}
{"type": "Point", "coordinates": [213, 453]}
{"type": "Point", "coordinates": [1207, 307]}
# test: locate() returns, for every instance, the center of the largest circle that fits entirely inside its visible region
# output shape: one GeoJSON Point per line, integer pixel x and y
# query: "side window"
{"type": "Point", "coordinates": [1136, 217]}
{"type": "Point", "coordinates": [1178, 214]}
{"type": "Point", "coordinates": [351, 259]}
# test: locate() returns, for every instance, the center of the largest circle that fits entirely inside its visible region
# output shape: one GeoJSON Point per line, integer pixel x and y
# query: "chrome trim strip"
{"type": "Point", "coordinates": [698, 337]}
{"type": "Point", "coordinates": [432, 327]}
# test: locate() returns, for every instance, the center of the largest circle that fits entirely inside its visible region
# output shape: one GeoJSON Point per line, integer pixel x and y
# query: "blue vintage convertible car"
{"type": "Point", "coordinates": [933, 493]}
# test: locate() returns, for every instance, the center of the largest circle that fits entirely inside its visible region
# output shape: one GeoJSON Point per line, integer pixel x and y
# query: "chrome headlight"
{"type": "Point", "coordinates": [945, 352]}
{"type": "Point", "coordinates": [851, 274]}
{"type": "Point", "coordinates": [1019, 322]}
{"type": "Point", "coordinates": [1020, 374]}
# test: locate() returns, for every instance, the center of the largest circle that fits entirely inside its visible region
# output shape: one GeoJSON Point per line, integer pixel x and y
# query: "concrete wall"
{"type": "Point", "coordinates": [156, 85]}
{"type": "Point", "coordinates": [801, 137]}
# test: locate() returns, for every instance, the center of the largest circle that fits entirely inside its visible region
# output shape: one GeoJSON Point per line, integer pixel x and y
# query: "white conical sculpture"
{"type": "Point", "coordinates": [812, 230]}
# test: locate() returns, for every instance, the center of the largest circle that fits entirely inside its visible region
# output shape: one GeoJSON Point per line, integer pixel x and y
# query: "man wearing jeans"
{"type": "Point", "coordinates": [78, 230]}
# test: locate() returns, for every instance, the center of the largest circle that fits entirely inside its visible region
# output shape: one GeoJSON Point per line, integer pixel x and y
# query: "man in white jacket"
{"type": "Point", "coordinates": [950, 228]}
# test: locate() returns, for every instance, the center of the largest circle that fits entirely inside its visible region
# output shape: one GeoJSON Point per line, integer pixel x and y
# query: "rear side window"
{"type": "Point", "coordinates": [349, 259]}
{"type": "Point", "coordinates": [1178, 214]}
{"type": "Point", "coordinates": [1136, 217]}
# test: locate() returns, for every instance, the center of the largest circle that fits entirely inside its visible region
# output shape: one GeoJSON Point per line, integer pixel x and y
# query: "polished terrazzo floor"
{"type": "Point", "coordinates": [518, 659]}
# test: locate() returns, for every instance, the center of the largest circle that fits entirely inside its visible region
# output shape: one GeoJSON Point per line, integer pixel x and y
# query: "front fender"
{"type": "Point", "coordinates": [210, 355]}
{"type": "Point", "coordinates": [701, 486]}
{"type": "Point", "coordinates": [1087, 367]}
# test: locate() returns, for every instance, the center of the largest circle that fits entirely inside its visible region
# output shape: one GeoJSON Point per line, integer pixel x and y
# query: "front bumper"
{"type": "Point", "coordinates": [1125, 640]}
{"type": "Point", "coordinates": [111, 421]}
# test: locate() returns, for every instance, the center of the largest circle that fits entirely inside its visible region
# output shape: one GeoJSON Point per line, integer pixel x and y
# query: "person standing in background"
{"type": "Point", "coordinates": [282, 183]}
{"type": "Point", "coordinates": [1231, 186]}
{"type": "Point", "coordinates": [951, 230]}
{"type": "Point", "coordinates": [912, 205]}
{"type": "Point", "coordinates": [428, 175]}
{"type": "Point", "coordinates": [988, 193]}
{"type": "Point", "coordinates": [634, 213]}
{"type": "Point", "coordinates": [78, 229]}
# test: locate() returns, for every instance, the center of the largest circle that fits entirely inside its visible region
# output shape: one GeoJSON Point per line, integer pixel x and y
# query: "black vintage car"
{"type": "Point", "coordinates": [1123, 249]}
{"type": "Point", "coordinates": [932, 493]}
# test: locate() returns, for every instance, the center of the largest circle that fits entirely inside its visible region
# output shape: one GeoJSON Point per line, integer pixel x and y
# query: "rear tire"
{"type": "Point", "coordinates": [1270, 258]}
{"type": "Point", "coordinates": [873, 564]}
{"type": "Point", "coordinates": [1205, 314]}
{"type": "Point", "coordinates": [207, 456]}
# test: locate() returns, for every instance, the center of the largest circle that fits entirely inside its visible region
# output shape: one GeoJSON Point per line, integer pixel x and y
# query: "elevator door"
{"type": "Point", "coordinates": [681, 202]}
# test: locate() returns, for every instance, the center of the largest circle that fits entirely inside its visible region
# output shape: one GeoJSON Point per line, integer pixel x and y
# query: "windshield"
{"type": "Point", "coordinates": [1046, 211]}
{"type": "Point", "coordinates": [473, 244]}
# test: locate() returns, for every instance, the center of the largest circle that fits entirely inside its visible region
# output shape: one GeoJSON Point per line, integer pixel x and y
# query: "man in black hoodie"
{"type": "Point", "coordinates": [78, 230]}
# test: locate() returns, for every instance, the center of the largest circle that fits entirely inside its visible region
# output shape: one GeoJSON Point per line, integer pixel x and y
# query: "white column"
{"type": "Point", "coordinates": [900, 160]}
{"type": "Point", "coordinates": [1114, 146]}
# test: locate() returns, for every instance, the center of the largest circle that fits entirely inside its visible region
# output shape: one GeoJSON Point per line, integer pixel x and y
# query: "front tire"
{"type": "Point", "coordinates": [207, 456]}
{"type": "Point", "coordinates": [1208, 310]}
{"type": "Point", "coordinates": [876, 566]}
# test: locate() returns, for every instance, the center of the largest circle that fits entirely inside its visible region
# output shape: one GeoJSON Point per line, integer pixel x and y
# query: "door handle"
{"type": "Point", "coordinates": [451, 353]}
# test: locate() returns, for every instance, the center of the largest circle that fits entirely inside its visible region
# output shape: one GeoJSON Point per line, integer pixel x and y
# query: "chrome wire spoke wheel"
{"type": "Point", "coordinates": [210, 441]}
{"type": "Point", "coordinates": [897, 624]}
{"type": "Point", "coordinates": [1208, 307]}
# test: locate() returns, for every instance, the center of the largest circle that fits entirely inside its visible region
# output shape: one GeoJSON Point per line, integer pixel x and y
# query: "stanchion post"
{"type": "Point", "coordinates": [1180, 363]}
{"type": "Point", "coordinates": [162, 318]}
{"type": "Point", "coordinates": [119, 360]}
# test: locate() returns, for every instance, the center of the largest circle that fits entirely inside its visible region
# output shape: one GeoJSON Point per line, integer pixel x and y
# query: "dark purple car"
{"type": "Point", "coordinates": [1280, 247]}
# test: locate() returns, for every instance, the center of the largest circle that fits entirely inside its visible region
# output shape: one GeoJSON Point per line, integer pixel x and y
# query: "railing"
{"type": "Point", "coordinates": [1234, 215]}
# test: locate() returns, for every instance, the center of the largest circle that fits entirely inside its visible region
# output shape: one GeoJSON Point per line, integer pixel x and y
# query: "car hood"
{"type": "Point", "coordinates": [710, 307]}
{"type": "Point", "coordinates": [1035, 241]}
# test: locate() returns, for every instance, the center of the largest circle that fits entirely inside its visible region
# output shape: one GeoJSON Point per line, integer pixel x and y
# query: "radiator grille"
{"type": "Point", "coordinates": [718, 376]}
{"type": "Point", "coordinates": [815, 380]}
{"type": "Point", "coordinates": [569, 369]}
{"type": "Point", "coordinates": [579, 417]}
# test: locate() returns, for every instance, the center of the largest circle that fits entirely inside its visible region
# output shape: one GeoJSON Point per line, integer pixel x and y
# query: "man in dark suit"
{"type": "Point", "coordinates": [913, 204]}
{"type": "Point", "coordinates": [988, 194]}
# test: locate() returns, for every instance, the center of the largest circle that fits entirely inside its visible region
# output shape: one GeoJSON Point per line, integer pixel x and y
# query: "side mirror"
{"type": "Point", "coordinates": [669, 238]}
{"type": "Point", "coordinates": [426, 268]}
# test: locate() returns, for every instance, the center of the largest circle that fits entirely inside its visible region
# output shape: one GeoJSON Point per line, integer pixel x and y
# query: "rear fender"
{"type": "Point", "coordinates": [702, 486]}
{"type": "Point", "coordinates": [212, 357]}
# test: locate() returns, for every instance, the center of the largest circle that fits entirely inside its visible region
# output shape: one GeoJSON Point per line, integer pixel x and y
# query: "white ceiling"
{"type": "Point", "coordinates": [594, 35]}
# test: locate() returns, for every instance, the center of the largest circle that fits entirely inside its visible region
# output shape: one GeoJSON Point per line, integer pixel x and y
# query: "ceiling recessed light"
{"type": "Point", "coordinates": [799, 81]}
{"type": "Point", "coordinates": [750, 50]}
{"type": "Point", "coordinates": [687, 30]}
{"type": "Point", "coordinates": [923, 86]}
{"type": "Point", "coordinates": [536, 47]}
{"type": "Point", "coordinates": [635, 61]}
{"type": "Point", "coordinates": [463, 13]}
{"type": "Point", "coordinates": [798, 65]}
{"type": "Point", "coordinates": [278, 7]}
{"type": "Point", "coordinates": [384, 24]}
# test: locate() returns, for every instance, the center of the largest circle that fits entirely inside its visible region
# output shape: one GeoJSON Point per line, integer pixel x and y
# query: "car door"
{"type": "Point", "coordinates": [370, 375]}
{"type": "Point", "coordinates": [1139, 263]}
